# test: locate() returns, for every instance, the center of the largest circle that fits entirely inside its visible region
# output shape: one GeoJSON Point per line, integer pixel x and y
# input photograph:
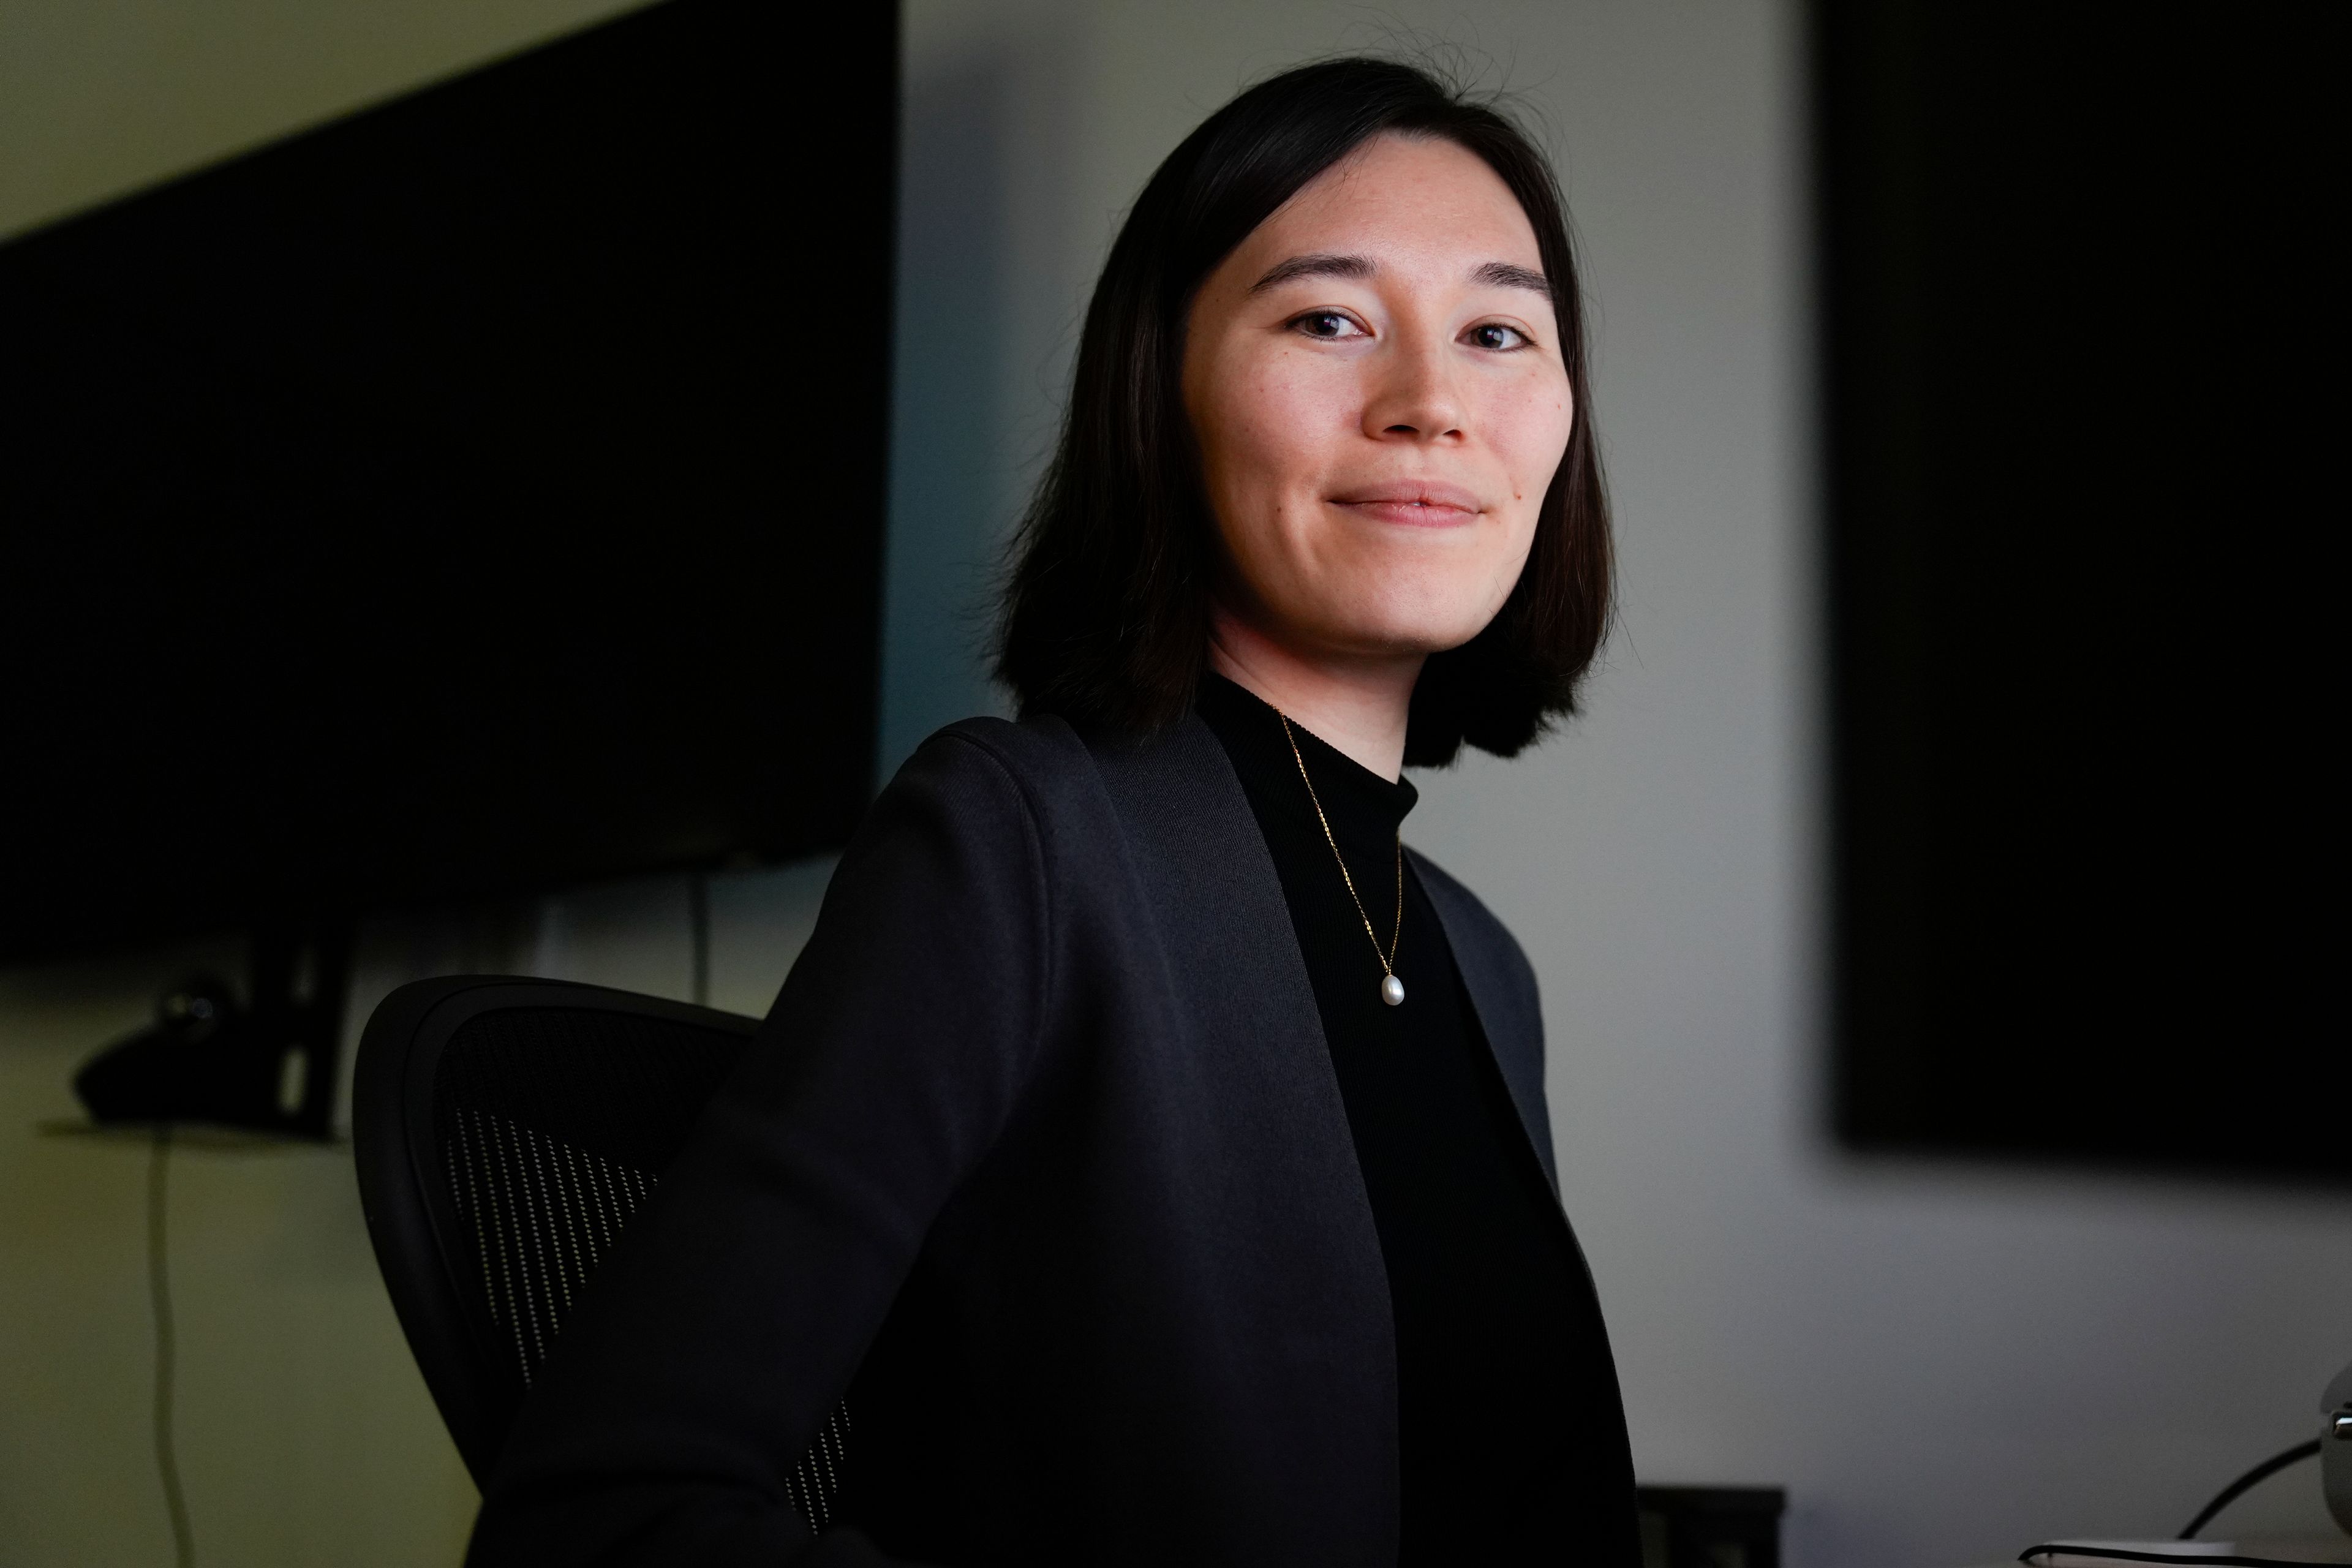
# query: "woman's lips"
{"type": "Point", "coordinates": [1415, 503]}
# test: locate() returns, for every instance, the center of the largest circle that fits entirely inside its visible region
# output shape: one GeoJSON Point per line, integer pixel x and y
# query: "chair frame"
{"type": "Point", "coordinates": [422, 1244]}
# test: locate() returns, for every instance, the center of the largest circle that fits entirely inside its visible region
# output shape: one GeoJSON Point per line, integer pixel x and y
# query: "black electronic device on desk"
{"type": "Point", "coordinates": [2198, 1545]}
{"type": "Point", "coordinates": [2335, 1448]}
{"type": "Point", "coordinates": [267, 1066]}
{"type": "Point", "coordinates": [451, 503]}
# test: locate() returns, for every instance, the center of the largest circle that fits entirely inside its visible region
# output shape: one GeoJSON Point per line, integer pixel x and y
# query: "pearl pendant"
{"type": "Point", "coordinates": [1391, 990]}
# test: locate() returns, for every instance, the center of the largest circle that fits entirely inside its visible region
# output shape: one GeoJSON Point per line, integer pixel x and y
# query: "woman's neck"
{"type": "Point", "coordinates": [1357, 706]}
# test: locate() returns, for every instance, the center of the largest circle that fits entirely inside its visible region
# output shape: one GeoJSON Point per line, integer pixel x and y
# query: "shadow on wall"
{"type": "Point", "coordinates": [961, 461]}
{"type": "Point", "coordinates": [945, 489]}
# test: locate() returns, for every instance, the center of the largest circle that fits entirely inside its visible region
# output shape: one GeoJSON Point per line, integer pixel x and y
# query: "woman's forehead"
{"type": "Point", "coordinates": [1398, 198]}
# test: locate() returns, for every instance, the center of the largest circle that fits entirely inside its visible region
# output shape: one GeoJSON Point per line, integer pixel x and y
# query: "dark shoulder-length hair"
{"type": "Point", "coordinates": [1106, 615]}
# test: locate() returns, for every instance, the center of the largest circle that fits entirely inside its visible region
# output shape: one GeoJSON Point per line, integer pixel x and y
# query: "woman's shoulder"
{"type": "Point", "coordinates": [976, 776]}
{"type": "Point", "coordinates": [985, 818]}
{"type": "Point", "coordinates": [1062, 767]}
{"type": "Point", "coordinates": [1039, 759]}
{"type": "Point", "coordinates": [1033, 745]}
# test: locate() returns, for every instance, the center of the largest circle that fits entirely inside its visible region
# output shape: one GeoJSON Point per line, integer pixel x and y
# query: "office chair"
{"type": "Point", "coordinates": [504, 1130]}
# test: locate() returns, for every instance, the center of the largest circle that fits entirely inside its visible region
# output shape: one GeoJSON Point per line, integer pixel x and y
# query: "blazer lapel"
{"type": "Point", "coordinates": [1260, 1088]}
{"type": "Point", "coordinates": [1213, 888]}
{"type": "Point", "coordinates": [1503, 994]}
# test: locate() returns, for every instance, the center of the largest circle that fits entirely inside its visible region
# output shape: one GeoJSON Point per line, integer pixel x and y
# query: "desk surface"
{"type": "Point", "coordinates": [2287, 1549]}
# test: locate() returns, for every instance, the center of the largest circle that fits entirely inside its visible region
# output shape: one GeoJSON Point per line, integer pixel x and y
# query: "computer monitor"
{"type": "Point", "coordinates": [477, 495]}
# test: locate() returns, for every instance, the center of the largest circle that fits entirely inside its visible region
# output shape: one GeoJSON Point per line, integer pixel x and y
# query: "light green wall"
{"type": "Point", "coordinates": [99, 97]}
{"type": "Point", "coordinates": [305, 1435]}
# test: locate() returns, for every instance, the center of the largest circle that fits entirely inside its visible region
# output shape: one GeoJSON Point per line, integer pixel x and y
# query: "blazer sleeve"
{"type": "Point", "coordinates": [733, 1313]}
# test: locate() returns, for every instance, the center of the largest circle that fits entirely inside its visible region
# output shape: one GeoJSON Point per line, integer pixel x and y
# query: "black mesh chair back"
{"type": "Point", "coordinates": [505, 1130]}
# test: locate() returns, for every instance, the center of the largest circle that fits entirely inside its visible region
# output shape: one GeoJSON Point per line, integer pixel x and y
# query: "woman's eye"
{"type": "Point", "coordinates": [1493, 335]}
{"type": "Point", "coordinates": [1328, 325]}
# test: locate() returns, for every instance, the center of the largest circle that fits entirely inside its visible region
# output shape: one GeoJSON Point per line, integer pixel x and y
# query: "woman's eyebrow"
{"type": "Point", "coordinates": [1502, 275]}
{"type": "Point", "coordinates": [1494, 274]}
{"type": "Point", "coordinates": [1319, 266]}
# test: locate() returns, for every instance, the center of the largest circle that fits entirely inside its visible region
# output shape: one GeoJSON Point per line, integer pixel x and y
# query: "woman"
{"type": "Point", "coordinates": [1147, 1155]}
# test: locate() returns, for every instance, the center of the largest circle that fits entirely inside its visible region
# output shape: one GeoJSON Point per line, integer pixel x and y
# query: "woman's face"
{"type": "Point", "coordinates": [1375, 380]}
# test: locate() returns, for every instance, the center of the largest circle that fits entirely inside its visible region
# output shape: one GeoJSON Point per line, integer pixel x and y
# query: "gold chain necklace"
{"type": "Point", "coordinates": [1392, 988]}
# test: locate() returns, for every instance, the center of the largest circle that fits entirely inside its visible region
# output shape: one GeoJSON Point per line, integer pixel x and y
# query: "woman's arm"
{"type": "Point", "coordinates": [733, 1313]}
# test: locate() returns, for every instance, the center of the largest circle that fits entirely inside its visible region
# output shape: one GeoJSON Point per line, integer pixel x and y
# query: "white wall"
{"type": "Point", "coordinates": [1942, 1364]}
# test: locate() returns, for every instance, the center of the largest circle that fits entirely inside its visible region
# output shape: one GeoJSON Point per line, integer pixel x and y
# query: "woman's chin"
{"type": "Point", "coordinates": [1405, 636]}
{"type": "Point", "coordinates": [1419, 623]}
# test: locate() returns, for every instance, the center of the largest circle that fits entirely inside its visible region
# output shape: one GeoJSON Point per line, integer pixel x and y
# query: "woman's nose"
{"type": "Point", "coordinates": [1412, 396]}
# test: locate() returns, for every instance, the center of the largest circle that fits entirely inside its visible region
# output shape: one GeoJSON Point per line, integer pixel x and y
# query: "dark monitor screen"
{"type": "Point", "coordinates": [2080, 509]}
{"type": "Point", "coordinates": [481, 493]}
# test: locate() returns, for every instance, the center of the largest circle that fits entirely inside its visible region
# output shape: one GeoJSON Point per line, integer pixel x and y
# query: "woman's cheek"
{"type": "Point", "coordinates": [1550, 441]}
{"type": "Point", "coordinates": [1530, 435]}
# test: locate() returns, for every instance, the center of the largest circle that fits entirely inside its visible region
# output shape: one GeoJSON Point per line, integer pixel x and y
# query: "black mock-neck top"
{"type": "Point", "coordinates": [1494, 1317]}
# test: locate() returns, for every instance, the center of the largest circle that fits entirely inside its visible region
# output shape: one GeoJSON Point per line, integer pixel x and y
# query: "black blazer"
{"type": "Point", "coordinates": [1041, 1145]}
